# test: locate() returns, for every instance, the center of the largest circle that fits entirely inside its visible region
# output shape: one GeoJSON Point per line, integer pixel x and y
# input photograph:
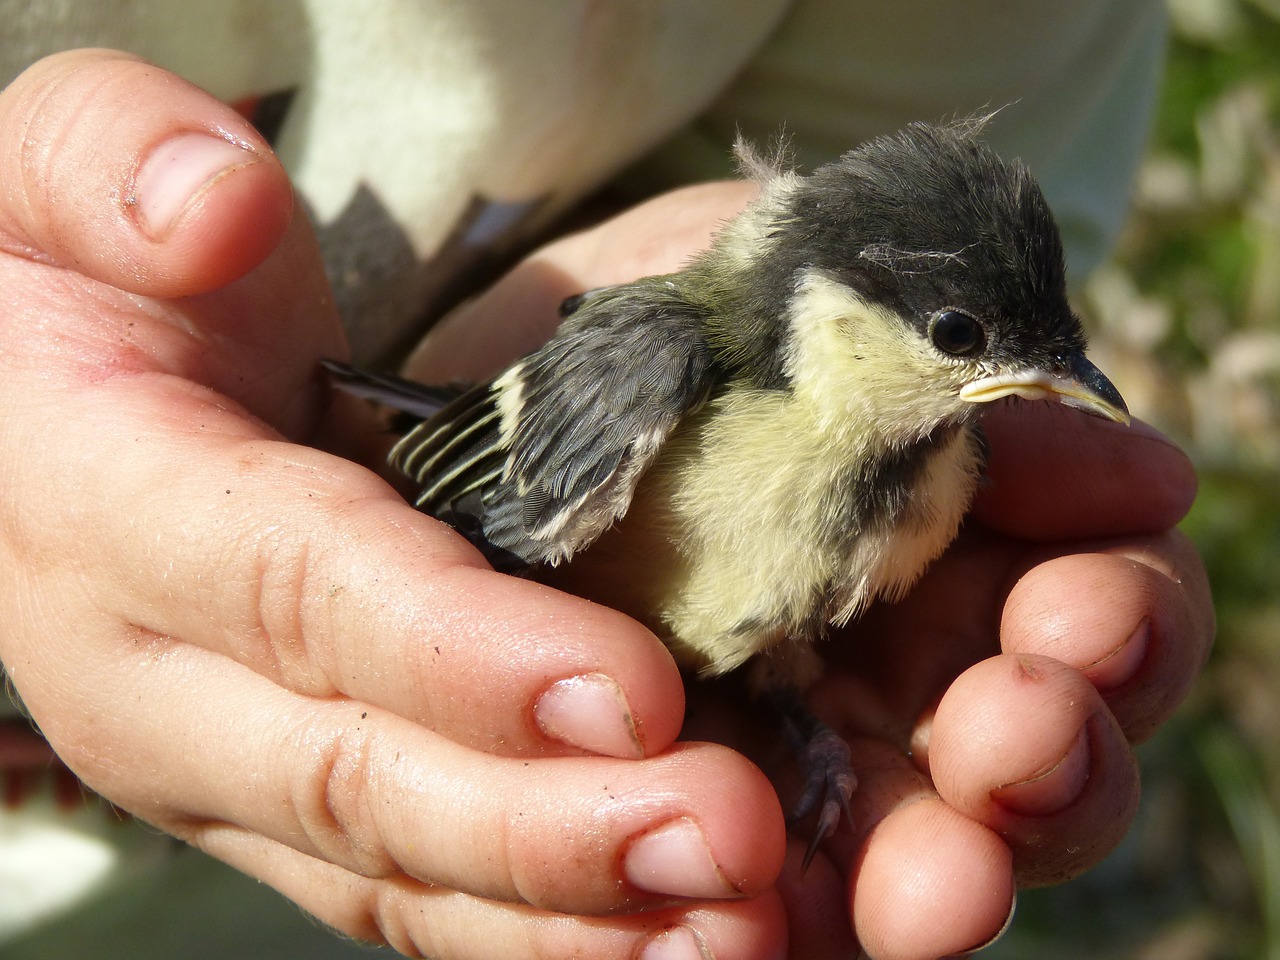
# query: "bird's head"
{"type": "Point", "coordinates": [923, 278]}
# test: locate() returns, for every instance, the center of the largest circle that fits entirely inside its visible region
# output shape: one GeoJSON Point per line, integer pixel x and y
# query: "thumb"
{"type": "Point", "coordinates": [133, 177]}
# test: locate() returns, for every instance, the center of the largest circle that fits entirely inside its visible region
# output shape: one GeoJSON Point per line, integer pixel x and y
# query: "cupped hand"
{"type": "Point", "coordinates": [258, 646]}
{"type": "Point", "coordinates": [991, 714]}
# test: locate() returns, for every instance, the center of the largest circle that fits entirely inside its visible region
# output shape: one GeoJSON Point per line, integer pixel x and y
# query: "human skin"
{"type": "Point", "coordinates": [257, 646]}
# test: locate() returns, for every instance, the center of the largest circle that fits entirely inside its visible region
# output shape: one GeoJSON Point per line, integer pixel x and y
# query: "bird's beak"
{"type": "Point", "coordinates": [1081, 385]}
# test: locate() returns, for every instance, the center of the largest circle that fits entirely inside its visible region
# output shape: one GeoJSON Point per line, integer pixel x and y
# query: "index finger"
{"type": "Point", "coordinates": [1056, 474]}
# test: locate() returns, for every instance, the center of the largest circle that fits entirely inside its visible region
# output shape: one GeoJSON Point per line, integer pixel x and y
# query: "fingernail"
{"type": "Point", "coordinates": [1004, 928]}
{"type": "Point", "coordinates": [677, 943]}
{"type": "Point", "coordinates": [674, 859]}
{"type": "Point", "coordinates": [589, 712]}
{"type": "Point", "coordinates": [176, 173]}
{"type": "Point", "coordinates": [1054, 788]}
{"type": "Point", "coordinates": [1143, 429]}
{"type": "Point", "coordinates": [1121, 663]}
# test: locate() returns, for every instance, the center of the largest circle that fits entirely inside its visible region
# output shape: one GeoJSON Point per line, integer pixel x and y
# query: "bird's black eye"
{"type": "Point", "coordinates": [957, 333]}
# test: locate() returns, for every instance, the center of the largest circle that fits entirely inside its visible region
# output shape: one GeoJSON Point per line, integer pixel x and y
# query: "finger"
{"type": "Point", "coordinates": [64, 329]}
{"type": "Point", "coordinates": [817, 908]}
{"type": "Point", "coordinates": [436, 922]}
{"type": "Point", "coordinates": [1134, 616]}
{"type": "Point", "coordinates": [355, 786]}
{"type": "Point", "coordinates": [519, 312]}
{"type": "Point", "coordinates": [1056, 474]}
{"type": "Point", "coordinates": [924, 880]}
{"type": "Point", "coordinates": [1024, 745]}
{"type": "Point", "coordinates": [931, 883]}
{"type": "Point", "coordinates": [329, 583]}
{"type": "Point", "coordinates": [181, 193]}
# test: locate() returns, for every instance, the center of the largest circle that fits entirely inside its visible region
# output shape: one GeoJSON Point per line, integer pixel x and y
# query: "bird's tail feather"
{"type": "Point", "coordinates": [418, 400]}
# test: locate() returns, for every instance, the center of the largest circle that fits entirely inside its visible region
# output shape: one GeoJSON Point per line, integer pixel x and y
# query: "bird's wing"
{"type": "Point", "coordinates": [540, 462]}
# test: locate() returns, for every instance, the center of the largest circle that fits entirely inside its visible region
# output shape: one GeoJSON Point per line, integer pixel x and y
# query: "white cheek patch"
{"type": "Point", "coordinates": [858, 362]}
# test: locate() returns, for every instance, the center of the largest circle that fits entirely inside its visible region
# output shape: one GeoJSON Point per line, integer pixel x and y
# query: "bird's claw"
{"type": "Point", "coordinates": [829, 783]}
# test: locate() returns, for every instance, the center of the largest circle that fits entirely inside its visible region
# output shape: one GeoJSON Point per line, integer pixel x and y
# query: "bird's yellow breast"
{"type": "Point", "coordinates": [748, 531]}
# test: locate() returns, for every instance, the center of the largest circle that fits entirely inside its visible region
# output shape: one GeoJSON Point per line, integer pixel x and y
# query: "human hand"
{"type": "Point", "coordinates": [991, 714]}
{"type": "Point", "coordinates": [258, 646]}
{"type": "Point", "coordinates": [1064, 626]}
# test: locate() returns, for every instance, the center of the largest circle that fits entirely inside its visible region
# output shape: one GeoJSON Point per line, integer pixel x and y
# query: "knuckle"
{"type": "Point", "coordinates": [283, 587]}
{"type": "Point", "coordinates": [331, 799]}
{"type": "Point", "coordinates": [52, 106]}
{"type": "Point", "coordinates": [297, 566]}
{"type": "Point", "coordinates": [390, 920]}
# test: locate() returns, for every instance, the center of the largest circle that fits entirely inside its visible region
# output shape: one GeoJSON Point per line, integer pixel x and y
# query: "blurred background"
{"type": "Point", "coordinates": [1187, 318]}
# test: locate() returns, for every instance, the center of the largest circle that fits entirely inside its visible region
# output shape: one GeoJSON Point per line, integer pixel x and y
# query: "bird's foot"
{"type": "Point", "coordinates": [825, 761]}
{"type": "Point", "coordinates": [829, 783]}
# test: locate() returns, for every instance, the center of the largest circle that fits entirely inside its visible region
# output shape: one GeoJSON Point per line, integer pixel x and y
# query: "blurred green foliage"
{"type": "Point", "coordinates": [1188, 315]}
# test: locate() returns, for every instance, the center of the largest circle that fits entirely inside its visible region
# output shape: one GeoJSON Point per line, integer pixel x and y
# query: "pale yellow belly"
{"type": "Point", "coordinates": [729, 547]}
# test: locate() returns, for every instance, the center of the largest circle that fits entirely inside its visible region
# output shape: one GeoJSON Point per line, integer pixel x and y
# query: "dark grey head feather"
{"type": "Point", "coordinates": [926, 219]}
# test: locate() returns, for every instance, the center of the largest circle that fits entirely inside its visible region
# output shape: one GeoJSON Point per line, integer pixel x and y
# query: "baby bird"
{"type": "Point", "coordinates": [751, 450]}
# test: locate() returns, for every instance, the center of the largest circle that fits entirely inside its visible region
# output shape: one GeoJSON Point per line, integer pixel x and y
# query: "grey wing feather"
{"type": "Point", "coordinates": [540, 462]}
